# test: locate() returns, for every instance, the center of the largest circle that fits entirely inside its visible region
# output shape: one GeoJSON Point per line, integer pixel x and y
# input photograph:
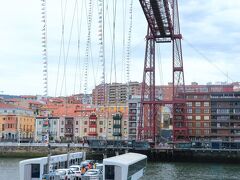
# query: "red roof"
{"type": "Point", "coordinates": [12, 100]}
{"type": "Point", "coordinates": [10, 106]}
{"type": "Point", "coordinates": [34, 102]}
{"type": "Point", "coordinates": [28, 96]}
{"type": "Point", "coordinates": [70, 109]}
{"type": "Point", "coordinates": [5, 106]}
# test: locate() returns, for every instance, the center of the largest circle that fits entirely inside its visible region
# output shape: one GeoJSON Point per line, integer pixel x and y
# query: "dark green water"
{"type": "Point", "coordinates": [192, 171]}
{"type": "Point", "coordinates": [155, 171]}
{"type": "Point", "coordinates": [9, 169]}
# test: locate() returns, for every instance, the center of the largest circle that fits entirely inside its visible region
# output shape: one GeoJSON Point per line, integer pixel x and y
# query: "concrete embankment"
{"type": "Point", "coordinates": [195, 155]}
{"type": "Point", "coordinates": [188, 155]}
{"type": "Point", "coordinates": [30, 152]}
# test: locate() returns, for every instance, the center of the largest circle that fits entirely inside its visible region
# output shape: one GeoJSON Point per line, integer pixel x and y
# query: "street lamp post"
{"type": "Point", "coordinates": [48, 159]}
{"type": "Point", "coordinates": [19, 131]}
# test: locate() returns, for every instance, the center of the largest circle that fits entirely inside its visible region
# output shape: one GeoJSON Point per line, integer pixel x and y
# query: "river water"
{"type": "Point", "coordinates": [155, 171]}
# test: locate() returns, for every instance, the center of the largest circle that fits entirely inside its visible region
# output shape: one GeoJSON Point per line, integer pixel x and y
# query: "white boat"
{"type": "Point", "coordinates": [33, 169]}
{"type": "Point", "coordinates": [129, 166]}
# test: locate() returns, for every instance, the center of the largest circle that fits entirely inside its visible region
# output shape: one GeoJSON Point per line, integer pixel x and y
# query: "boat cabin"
{"type": "Point", "coordinates": [129, 166]}
{"type": "Point", "coordinates": [33, 169]}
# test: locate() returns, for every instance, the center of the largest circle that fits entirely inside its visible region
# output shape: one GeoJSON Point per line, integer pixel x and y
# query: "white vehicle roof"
{"type": "Point", "coordinates": [62, 169]}
{"type": "Point", "coordinates": [93, 170]}
{"type": "Point", "coordinates": [74, 166]}
{"type": "Point", "coordinates": [124, 159]}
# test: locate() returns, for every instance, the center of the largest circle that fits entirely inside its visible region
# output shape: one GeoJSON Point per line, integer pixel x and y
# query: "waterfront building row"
{"type": "Point", "coordinates": [212, 112]}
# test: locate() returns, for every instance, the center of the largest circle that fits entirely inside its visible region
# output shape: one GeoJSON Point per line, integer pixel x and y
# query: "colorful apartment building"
{"type": "Point", "coordinates": [201, 112]}
{"type": "Point", "coordinates": [198, 115]}
{"type": "Point", "coordinates": [133, 116]}
{"type": "Point", "coordinates": [225, 116]}
{"type": "Point", "coordinates": [115, 93]}
{"type": "Point", "coordinates": [47, 129]}
{"type": "Point", "coordinates": [114, 122]}
{"type": "Point", "coordinates": [16, 123]}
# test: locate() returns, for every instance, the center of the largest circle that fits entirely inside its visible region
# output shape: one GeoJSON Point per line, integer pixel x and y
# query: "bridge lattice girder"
{"type": "Point", "coordinates": [163, 26]}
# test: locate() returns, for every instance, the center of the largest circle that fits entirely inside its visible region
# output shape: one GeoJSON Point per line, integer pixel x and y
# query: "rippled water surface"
{"type": "Point", "coordinates": [192, 171]}
{"type": "Point", "coordinates": [155, 171]}
{"type": "Point", "coordinates": [9, 169]}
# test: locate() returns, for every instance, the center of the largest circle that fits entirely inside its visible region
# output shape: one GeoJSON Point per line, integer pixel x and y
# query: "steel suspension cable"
{"type": "Point", "coordinates": [86, 60]}
{"type": "Point", "coordinates": [128, 50]}
{"type": "Point", "coordinates": [64, 80]}
{"type": "Point", "coordinates": [62, 47]}
{"type": "Point", "coordinates": [207, 59]}
{"type": "Point", "coordinates": [78, 60]}
{"type": "Point", "coordinates": [123, 39]}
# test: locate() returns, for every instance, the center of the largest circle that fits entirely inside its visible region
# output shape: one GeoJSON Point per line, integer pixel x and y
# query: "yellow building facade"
{"type": "Point", "coordinates": [16, 124]}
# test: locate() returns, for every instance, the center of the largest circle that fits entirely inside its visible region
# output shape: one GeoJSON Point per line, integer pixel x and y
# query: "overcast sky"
{"type": "Point", "coordinates": [210, 32]}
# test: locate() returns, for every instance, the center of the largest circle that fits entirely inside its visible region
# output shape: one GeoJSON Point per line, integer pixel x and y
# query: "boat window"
{"type": "Point", "coordinates": [45, 167]}
{"type": "Point", "coordinates": [134, 168]}
{"type": "Point", "coordinates": [35, 171]}
{"type": "Point", "coordinates": [109, 172]}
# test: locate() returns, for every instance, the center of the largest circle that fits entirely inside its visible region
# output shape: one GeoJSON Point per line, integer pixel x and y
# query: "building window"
{"type": "Point", "coordinates": [85, 122]}
{"type": "Point", "coordinates": [76, 122]}
{"type": "Point", "coordinates": [189, 110]}
{"type": "Point", "coordinates": [197, 110]}
{"type": "Point", "coordinates": [189, 104]}
{"type": "Point", "coordinates": [206, 104]}
{"type": "Point", "coordinates": [117, 130]}
{"type": "Point", "coordinates": [189, 124]}
{"type": "Point", "coordinates": [61, 130]}
{"type": "Point", "coordinates": [197, 104]}
{"type": "Point", "coordinates": [206, 117]}
{"type": "Point", "coordinates": [85, 130]}
{"type": "Point", "coordinates": [189, 117]}
{"type": "Point", "coordinates": [206, 131]}
{"type": "Point", "coordinates": [100, 122]}
{"type": "Point", "coordinates": [198, 117]}
{"type": "Point", "coordinates": [206, 124]}
{"type": "Point", "coordinates": [190, 132]}
{"type": "Point", "coordinates": [125, 123]}
{"type": "Point", "coordinates": [100, 130]}
{"type": "Point", "coordinates": [92, 129]}
{"type": "Point", "coordinates": [206, 111]}
{"type": "Point", "coordinates": [54, 122]}
{"type": "Point", "coordinates": [198, 132]}
{"type": "Point", "coordinates": [62, 122]}
{"type": "Point", "coordinates": [40, 122]}
{"type": "Point", "coordinates": [76, 130]}
{"type": "Point", "coordinates": [117, 122]}
{"type": "Point", "coordinates": [198, 124]}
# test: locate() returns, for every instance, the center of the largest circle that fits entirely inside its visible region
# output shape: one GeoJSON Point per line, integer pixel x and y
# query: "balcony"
{"type": "Point", "coordinates": [133, 106]}
{"type": "Point", "coordinates": [92, 134]}
{"type": "Point", "coordinates": [221, 127]}
{"type": "Point", "coordinates": [117, 134]}
{"type": "Point", "coordinates": [92, 125]}
{"type": "Point", "coordinates": [117, 126]}
{"type": "Point", "coordinates": [68, 134]}
{"type": "Point", "coordinates": [117, 116]}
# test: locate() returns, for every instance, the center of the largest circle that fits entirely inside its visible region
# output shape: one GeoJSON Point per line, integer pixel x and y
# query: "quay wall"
{"type": "Point", "coordinates": [30, 152]}
{"type": "Point", "coordinates": [170, 155]}
{"type": "Point", "coordinates": [195, 155]}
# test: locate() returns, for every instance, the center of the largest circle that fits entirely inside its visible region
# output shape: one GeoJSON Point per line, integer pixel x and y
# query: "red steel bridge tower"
{"type": "Point", "coordinates": [163, 27]}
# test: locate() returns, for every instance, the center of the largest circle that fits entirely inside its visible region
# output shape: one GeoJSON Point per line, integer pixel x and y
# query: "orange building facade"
{"type": "Point", "coordinates": [16, 124]}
